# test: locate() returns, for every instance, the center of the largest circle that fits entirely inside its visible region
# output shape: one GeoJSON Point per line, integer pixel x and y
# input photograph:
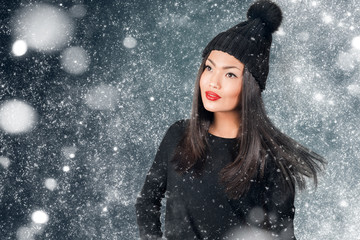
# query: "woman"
{"type": "Point", "coordinates": [228, 172]}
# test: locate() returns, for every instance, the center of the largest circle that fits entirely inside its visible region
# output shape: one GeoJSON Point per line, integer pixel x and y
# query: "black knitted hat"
{"type": "Point", "coordinates": [250, 41]}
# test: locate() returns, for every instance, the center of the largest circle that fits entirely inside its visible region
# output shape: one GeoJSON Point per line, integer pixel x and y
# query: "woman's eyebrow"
{"type": "Point", "coordinates": [225, 67]}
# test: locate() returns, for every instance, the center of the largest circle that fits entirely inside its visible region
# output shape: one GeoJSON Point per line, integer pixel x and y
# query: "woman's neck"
{"type": "Point", "coordinates": [225, 124]}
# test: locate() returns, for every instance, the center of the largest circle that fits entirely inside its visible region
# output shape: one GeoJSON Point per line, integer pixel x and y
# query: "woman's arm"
{"type": "Point", "coordinates": [148, 203]}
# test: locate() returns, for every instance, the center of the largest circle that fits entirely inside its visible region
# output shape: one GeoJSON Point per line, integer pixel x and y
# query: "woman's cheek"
{"type": "Point", "coordinates": [202, 82]}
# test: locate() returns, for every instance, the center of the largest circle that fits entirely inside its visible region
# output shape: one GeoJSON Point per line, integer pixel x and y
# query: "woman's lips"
{"type": "Point", "coordinates": [212, 96]}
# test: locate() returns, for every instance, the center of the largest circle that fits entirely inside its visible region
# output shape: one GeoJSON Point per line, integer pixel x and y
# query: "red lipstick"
{"type": "Point", "coordinates": [212, 96]}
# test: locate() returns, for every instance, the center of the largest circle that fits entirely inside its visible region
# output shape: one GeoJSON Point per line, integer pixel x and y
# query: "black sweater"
{"type": "Point", "coordinates": [198, 208]}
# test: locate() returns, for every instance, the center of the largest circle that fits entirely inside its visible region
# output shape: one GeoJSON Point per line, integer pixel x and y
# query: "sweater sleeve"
{"type": "Point", "coordinates": [279, 205]}
{"type": "Point", "coordinates": [148, 203]}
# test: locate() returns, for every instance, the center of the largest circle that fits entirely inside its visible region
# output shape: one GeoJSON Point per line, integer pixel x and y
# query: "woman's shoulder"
{"type": "Point", "coordinates": [176, 130]}
{"type": "Point", "coordinates": [179, 126]}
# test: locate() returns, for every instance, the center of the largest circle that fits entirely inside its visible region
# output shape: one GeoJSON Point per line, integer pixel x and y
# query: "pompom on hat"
{"type": "Point", "coordinates": [250, 41]}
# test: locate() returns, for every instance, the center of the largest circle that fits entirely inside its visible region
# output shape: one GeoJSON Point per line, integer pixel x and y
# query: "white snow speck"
{"type": "Point", "coordinates": [331, 102]}
{"type": "Point", "coordinates": [69, 152]}
{"type": "Point", "coordinates": [19, 48]}
{"type": "Point", "coordinates": [355, 42]}
{"type": "Point", "coordinates": [298, 79]}
{"type": "Point", "coordinates": [40, 217]}
{"type": "Point", "coordinates": [318, 97]}
{"type": "Point", "coordinates": [280, 32]}
{"type": "Point", "coordinates": [327, 18]}
{"type": "Point", "coordinates": [343, 203]}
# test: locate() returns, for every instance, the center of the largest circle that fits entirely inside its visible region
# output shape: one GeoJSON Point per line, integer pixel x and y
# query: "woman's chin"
{"type": "Point", "coordinates": [210, 108]}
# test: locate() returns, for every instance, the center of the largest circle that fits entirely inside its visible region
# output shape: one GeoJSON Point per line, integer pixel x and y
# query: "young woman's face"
{"type": "Point", "coordinates": [221, 82]}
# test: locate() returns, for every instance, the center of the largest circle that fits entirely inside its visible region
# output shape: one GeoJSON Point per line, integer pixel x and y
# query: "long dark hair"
{"type": "Point", "coordinates": [258, 140]}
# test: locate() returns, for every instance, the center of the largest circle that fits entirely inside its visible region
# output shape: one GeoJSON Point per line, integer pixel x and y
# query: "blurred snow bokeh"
{"type": "Point", "coordinates": [354, 90]}
{"type": "Point", "coordinates": [28, 232]}
{"type": "Point", "coordinates": [50, 184]}
{"type": "Point", "coordinates": [251, 234]}
{"type": "Point", "coordinates": [78, 11]}
{"type": "Point", "coordinates": [109, 77]}
{"type": "Point", "coordinates": [75, 60]}
{"type": "Point", "coordinates": [4, 162]}
{"type": "Point", "coordinates": [17, 116]}
{"type": "Point", "coordinates": [349, 60]}
{"type": "Point", "coordinates": [43, 27]}
{"type": "Point", "coordinates": [130, 42]}
{"type": "Point", "coordinates": [102, 97]}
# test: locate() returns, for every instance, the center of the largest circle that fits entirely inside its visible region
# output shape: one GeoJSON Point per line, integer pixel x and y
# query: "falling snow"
{"type": "Point", "coordinates": [88, 89]}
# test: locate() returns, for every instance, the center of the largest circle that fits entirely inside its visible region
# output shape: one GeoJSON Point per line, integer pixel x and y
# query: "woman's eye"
{"type": "Point", "coordinates": [231, 75]}
{"type": "Point", "coordinates": [207, 67]}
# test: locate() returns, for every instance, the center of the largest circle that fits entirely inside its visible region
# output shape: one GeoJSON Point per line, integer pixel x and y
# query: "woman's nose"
{"type": "Point", "coordinates": [214, 81]}
{"type": "Point", "coordinates": [214, 85]}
